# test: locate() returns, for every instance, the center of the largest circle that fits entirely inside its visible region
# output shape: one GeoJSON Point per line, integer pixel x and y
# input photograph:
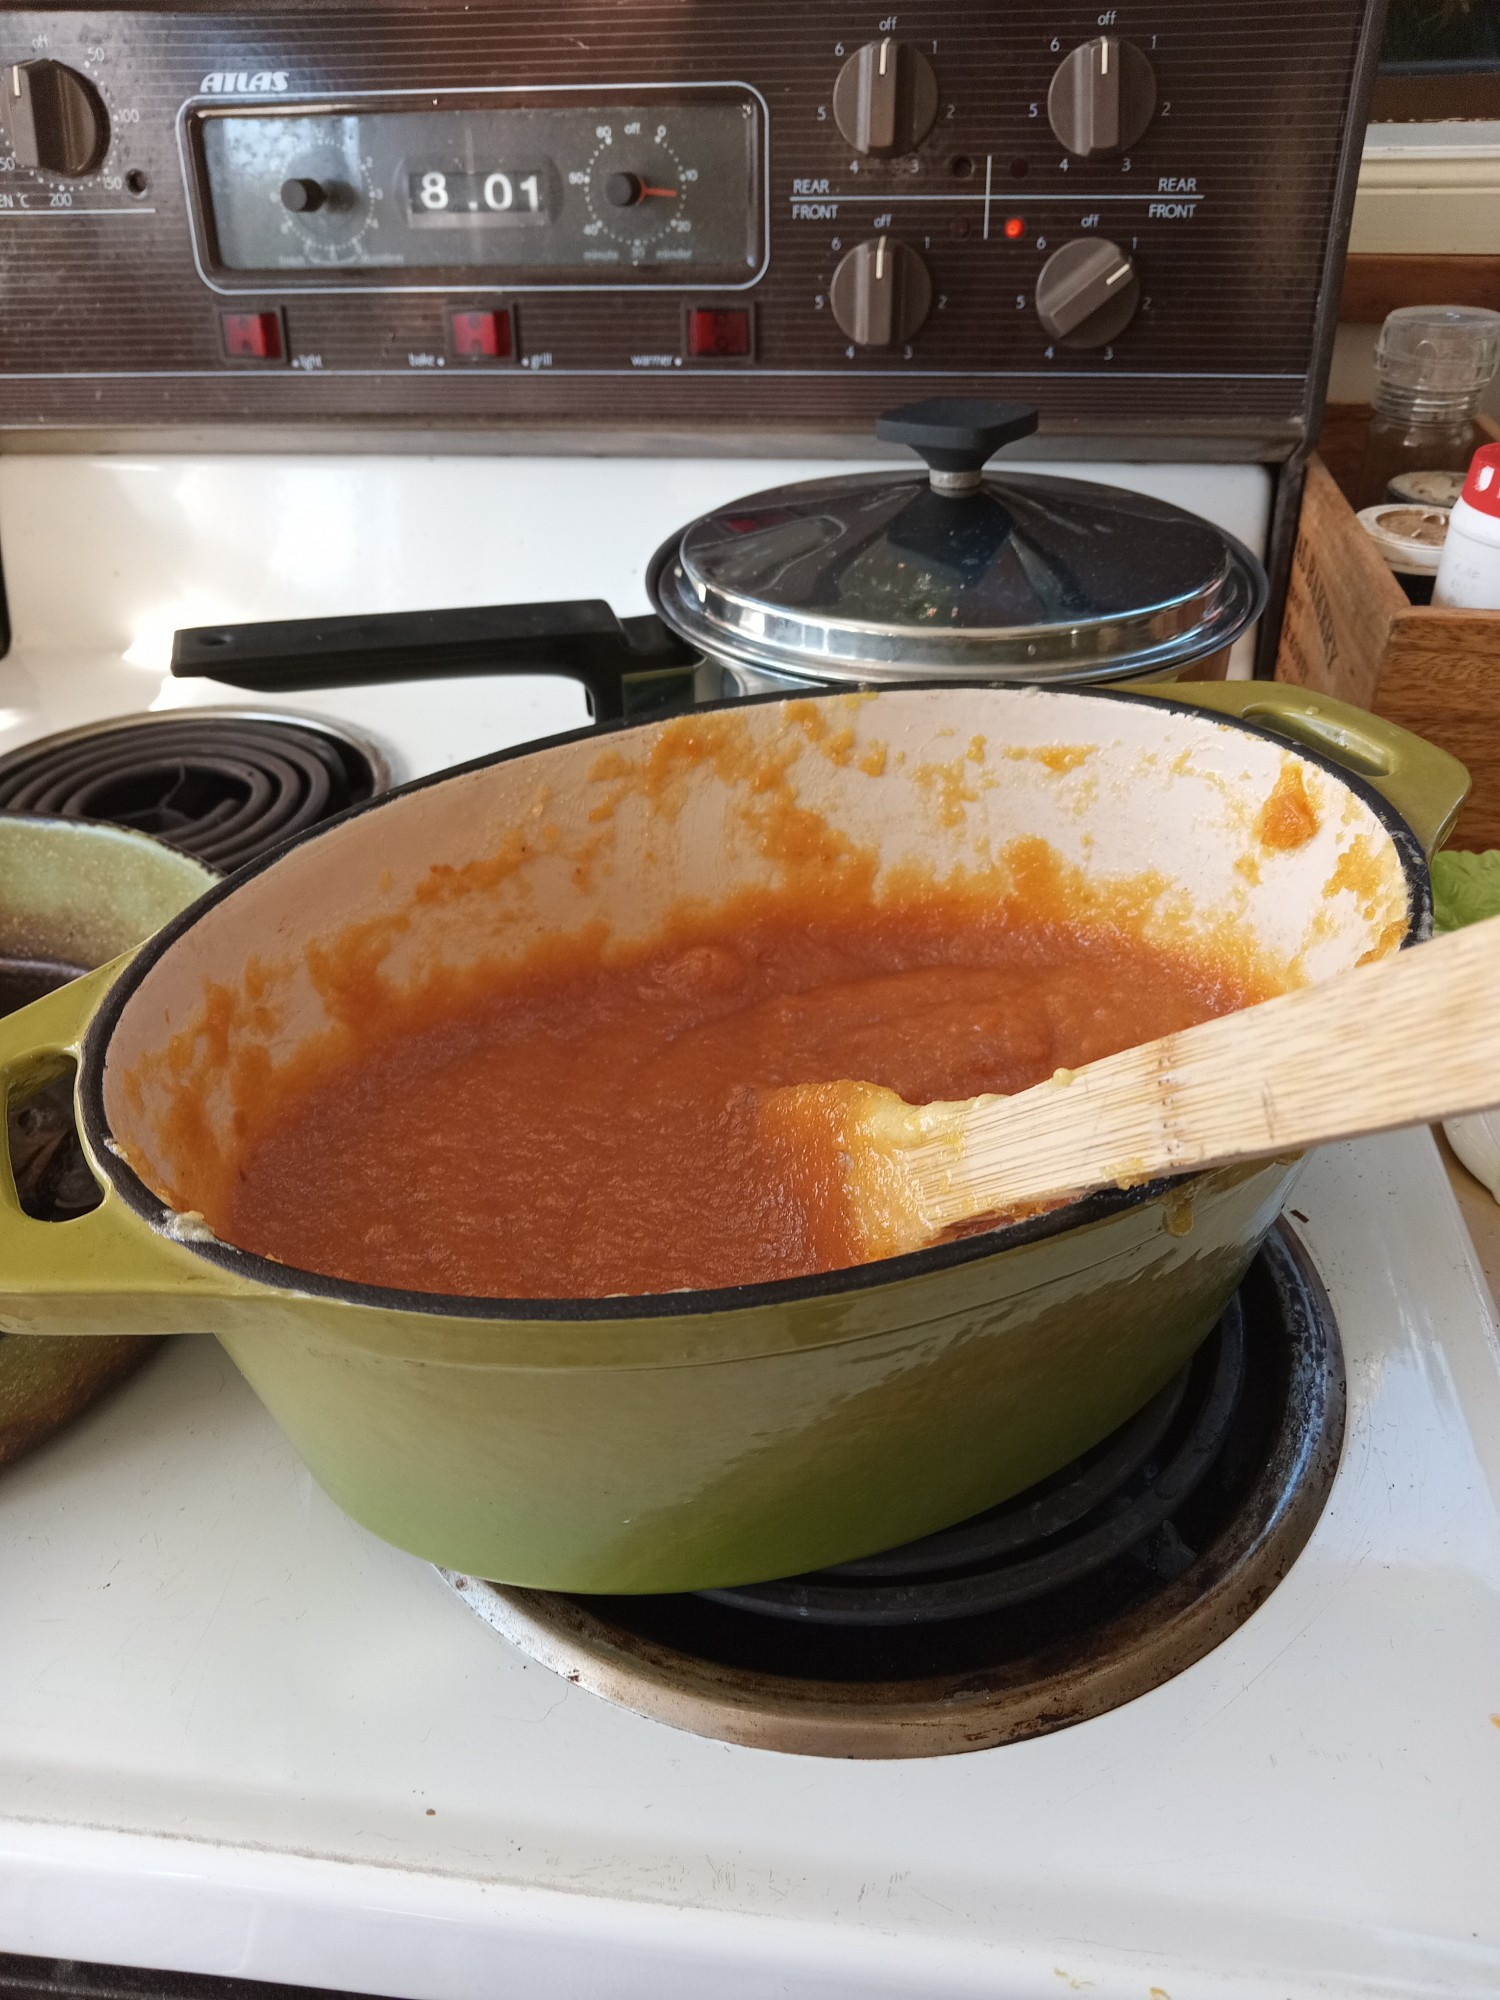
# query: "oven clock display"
{"type": "Point", "coordinates": [486, 195]}
{"type": "Point", "coordinates": [533, 191]}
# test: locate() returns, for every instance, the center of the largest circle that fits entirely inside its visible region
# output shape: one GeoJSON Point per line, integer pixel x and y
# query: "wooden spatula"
{"type": "Point", "coordinates": [1411, 1039]}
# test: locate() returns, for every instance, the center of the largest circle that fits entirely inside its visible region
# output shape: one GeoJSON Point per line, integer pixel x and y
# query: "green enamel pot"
{"type": "Point", "coordinates": [75, 894]}
{"type": "Point", "coordinates": [703, 1439]}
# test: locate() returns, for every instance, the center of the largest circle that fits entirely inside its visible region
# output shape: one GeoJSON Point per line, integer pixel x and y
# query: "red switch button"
{"type": "Point", "coordinates": [718, 333]}
{"type": "Point", "coordinates": [481, 336]}
{"type": "Point", "coordinates": [254, 336]}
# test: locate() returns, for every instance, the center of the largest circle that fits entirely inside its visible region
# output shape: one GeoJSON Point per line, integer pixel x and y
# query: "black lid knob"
{"type": "Point", "coordinates": [956, 435]}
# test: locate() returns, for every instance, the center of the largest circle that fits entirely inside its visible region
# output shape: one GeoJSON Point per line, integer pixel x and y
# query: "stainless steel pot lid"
{"type": "Point", "coordinates": [882, 577]}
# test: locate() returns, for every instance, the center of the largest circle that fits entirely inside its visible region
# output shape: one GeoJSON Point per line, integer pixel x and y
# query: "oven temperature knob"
{"type": "Point", "coordinates": [1087, 292]}
{"type": "Point", "coordinates": [886, 98]}
{"type": "Point", "coordinates": [1102, 98]}
{"type": "Point", "coordinates": [881, 293]}
{"type": "Point", "coordinates": [58, 122]}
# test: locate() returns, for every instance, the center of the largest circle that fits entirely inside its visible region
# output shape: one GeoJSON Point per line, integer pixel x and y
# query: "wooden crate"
{"type": "Point", "coordinates": [1349, 630]}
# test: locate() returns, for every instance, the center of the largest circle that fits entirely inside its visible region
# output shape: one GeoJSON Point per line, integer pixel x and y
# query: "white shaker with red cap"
{"type": "Point", "coordinates": [1468, 574]}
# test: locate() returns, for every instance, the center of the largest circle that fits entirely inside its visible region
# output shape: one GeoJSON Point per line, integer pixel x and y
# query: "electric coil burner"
{"type": "Point", "coordinates": [225, 785]}
{"type": "Point", "coordinates": [1080, 1594]}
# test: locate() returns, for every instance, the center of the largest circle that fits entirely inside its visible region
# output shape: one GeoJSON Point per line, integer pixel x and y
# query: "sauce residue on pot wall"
{"type": "Point", "coordinates": [1287, 820]}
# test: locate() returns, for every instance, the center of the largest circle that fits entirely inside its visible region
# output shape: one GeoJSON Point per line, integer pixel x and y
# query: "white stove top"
{"type": "Point", "coordinates": [238, 1735]}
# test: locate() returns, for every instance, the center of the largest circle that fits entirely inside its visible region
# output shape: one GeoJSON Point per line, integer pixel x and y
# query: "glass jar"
{"type": "Point", "coordinates": [1432, 367]}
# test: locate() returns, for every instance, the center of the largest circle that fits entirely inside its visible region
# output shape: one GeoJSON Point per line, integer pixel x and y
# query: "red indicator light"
{"type": "Point", "coordinates": [1014, 227]}
{"type": "Point", "coordinates": [481, 335]}
{"type": "Point", "coordinates": [252, 336]}
{"type": "Point", "coordinates": [717, 333]}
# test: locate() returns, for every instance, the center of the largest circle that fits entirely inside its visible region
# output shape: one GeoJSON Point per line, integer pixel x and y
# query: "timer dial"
{"type": "Point", "coordinates": [58, 122]}
{"type": "Point", "coordinates": [1102, 98]}
{"type": "Point", "coordinates": [637, 189]}
{"type": "Point", "coordinates": [881, 293]}
{"type": "Point", "coordinates": [886, 99]}
{"type": "Point", "coordinates": [1087, 292]}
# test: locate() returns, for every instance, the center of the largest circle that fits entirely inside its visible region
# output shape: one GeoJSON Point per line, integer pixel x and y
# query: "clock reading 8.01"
{"type": "Point", "coordinates": [499, 194]}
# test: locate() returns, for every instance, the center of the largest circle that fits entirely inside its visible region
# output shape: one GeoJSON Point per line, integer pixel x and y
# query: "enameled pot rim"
{"type": "Point", "coordinates": [251, 1266]}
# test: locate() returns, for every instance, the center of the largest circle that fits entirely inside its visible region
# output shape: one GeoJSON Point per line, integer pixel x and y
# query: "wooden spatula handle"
{"type": "Point", "coordinates": [1413, 1038]}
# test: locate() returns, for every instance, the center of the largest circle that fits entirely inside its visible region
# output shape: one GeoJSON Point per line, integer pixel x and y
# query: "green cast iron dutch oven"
{"type": "Point", "coordinates": [72, 894]}
{"type": "Point", "coordinates": [714, 1438]}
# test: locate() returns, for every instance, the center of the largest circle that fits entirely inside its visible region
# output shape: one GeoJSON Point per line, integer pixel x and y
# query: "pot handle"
{"type": "Point", "coordinates": [628, 666]}
{"type": "Point", "coordinates": [106, 1271]}
{"type": "Point", "coordinates": [1424, 784]}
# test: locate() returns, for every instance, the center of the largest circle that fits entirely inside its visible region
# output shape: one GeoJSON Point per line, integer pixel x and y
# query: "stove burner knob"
{"type": "Point", "coordinates": [303, 197]}
{"type": "Point", "coordinates": [1087, 292]}
{"type": "Point", "coordinates": [1102, 98]}
{"type": "Point", "coordinates": [881, 293]}
{"type": "Point", "coordinates": [886, 98]}
{"type": "Point", "coordinates": [58, 122]}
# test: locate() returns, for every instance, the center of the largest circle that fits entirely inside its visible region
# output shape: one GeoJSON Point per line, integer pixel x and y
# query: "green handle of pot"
{"type": "Point", "coordinates": [106, 1271]}
{"type": "Point", "coordinates": [1424, 784]}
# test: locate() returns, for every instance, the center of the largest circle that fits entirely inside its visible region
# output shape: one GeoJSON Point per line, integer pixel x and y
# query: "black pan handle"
{"type": "Point", "coordinates": [627, 665]}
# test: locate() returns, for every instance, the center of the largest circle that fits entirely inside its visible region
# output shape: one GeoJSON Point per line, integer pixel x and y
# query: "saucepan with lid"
{"type": "Point", "coordinates": [867, 578]}
{"type": "Point", "coordinates": [701, 1439]}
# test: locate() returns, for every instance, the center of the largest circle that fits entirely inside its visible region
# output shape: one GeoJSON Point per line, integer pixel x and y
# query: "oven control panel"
{"type": "Point", "coordinates": [653, 220]}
